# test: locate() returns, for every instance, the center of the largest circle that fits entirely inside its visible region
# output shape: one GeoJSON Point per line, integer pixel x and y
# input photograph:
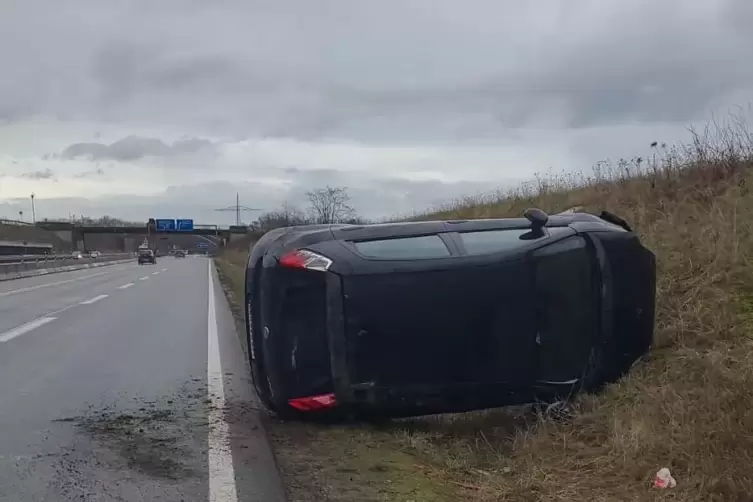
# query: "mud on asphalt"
{"type": "Point", "coordinates": [132, 449]}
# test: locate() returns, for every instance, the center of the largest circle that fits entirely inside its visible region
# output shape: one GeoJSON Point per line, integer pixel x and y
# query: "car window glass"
{"type": "Point", "coordinates": [494, 241]}
{"type": "Point", "coordinates": [406, 248]}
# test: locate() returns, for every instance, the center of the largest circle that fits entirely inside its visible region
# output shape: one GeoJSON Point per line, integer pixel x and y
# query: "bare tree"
{"type": "Point", "coordinates": [293, 215]}
{"type": "Point", "coordinates": [288, 215]}
{"type": "Point", "coordinates": [330, 205]}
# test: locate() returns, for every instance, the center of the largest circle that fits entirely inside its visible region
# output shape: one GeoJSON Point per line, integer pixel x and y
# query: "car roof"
{"type": "Point", "coordinates": [307, 235]}
{"type": "Point", "coordinates": [405, 228]}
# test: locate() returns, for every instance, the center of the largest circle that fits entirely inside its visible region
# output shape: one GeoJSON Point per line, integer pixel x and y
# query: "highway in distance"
{"type": "Point", "coordinates": [127, 383]}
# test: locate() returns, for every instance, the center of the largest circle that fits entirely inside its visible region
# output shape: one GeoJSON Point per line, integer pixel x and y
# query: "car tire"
{"type": "Point", "coordinates": [258, 373]}
{"type": "Point", "coordinates": [256, 365]}
{"type": "Point", "coordinates": [556, 411]}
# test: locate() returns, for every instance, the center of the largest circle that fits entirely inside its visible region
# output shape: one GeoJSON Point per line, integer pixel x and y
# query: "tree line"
{"type": "Point", "coordinates": [325, 205]}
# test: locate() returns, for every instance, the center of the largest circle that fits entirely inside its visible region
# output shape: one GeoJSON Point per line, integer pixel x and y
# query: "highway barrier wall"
{"type": "Point", "coordinates": [31, 266]}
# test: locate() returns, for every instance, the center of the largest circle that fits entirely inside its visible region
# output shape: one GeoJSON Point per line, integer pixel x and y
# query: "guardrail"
{"type": "Point", "coordinates": [15, 223]}
{"type": "Point", "coordinates": [30, 265]}
{"type": "Point", "coordinates": [52, 257]}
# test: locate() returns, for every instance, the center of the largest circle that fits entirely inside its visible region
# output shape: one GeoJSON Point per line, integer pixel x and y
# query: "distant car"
{"type": "Point", "coordinates": [179, 253]}
{"type": "Point", "coordinates": [416, 318]}
{"type": "Point", "coordinates": [77, 255]}
{"type": "Point", "coordinates": [147, 256]}
{"type": "Point", "coordinates": [95, 254]}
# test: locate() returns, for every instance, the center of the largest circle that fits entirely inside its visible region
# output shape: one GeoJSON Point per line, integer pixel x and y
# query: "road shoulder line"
{"type": "Point", "coordinates": [221, 470]}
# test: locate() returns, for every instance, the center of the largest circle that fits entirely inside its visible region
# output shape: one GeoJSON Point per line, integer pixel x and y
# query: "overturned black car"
{"type": "Point", "coordinates": [416, 318]}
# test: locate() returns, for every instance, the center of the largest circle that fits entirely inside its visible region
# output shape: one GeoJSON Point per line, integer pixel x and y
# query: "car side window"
{"type": "Point", "coordinates": [495, 241]}
{"type": "Point", "coordinates": [404, 248]}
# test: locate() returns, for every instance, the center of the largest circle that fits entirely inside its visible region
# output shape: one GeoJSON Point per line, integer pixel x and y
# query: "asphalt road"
{"type": "Point", "coordinates": [127, 383]}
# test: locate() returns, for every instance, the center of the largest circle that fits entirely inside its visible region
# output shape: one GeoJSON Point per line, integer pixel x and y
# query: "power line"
{"type": "Point", "coordinates": [238, 208]}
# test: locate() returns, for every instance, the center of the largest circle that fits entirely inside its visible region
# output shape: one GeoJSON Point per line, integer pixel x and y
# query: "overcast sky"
{"type": "Point", "coordinates": [140, 108]}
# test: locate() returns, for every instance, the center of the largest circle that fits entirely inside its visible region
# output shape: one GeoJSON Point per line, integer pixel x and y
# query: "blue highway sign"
{"type": "Point", "coordinates": [165, 225]}
{"type": "Point", "coordinates": [185, 225]}
{"type": "Point", "coordinates": [202, 245]}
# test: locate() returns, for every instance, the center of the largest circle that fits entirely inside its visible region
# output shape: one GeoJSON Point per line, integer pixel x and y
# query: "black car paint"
{"type": "Point", "coordinates": [466, 376]}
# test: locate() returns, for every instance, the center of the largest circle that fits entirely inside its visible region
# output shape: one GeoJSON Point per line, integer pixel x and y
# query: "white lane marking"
{"type": "Point", "coordinates": [94, 300]}
{"type": "Point", "coordinates": [50, 284]}
{"type": "Point", "coordinates": [125, 286]}
{"type": "Point", "coordinates": [144, 278]}
{"type": "Point", "coordinates": [163, 270]}
{"type": "Point", "coordinates": [155, 273]}
{"type": "Point", "coordinates": [25, 328]}
{"type": "Point", "coordinates": [48, 315]}
{"type": "Point", "coordinates": [221, 471]}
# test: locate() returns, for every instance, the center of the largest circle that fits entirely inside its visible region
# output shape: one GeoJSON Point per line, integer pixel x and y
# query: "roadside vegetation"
{"type": "Point", "coordinates": [686, 407]}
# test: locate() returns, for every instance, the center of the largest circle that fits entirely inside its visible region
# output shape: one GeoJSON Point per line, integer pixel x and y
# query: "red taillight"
{"type": "Point", "coordinates": [314, 403]}
{"type": "Point", "coordinates": [303, 258]}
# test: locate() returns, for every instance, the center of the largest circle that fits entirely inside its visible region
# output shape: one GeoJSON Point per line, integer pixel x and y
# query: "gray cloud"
{"type": "Point", "coordinates": [448, 70]}
{"type": "Point", "coordinates": [90, 174]}
{"type": "Point", "coordinates": [43, 174]}
{"type": "Point", "coordinates": [134, 148]}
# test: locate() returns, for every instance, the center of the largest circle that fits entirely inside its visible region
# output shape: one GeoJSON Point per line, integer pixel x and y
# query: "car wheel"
{"type": "Point", "coordinates": [258, 373]}
{"type": "Point", "coordinates": [556, 411]}
{"type": "Point", "coordinates": [255, 355]}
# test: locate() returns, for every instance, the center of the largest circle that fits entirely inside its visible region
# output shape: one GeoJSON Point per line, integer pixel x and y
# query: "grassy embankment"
{"type": "Point", "coordinates": [32, 234]}
{"type": "Point", "coordinates": [687, 407]}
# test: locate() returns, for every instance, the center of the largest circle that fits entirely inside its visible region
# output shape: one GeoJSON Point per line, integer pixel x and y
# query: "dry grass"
{"type": "Point", "coordinates": [687, 407]}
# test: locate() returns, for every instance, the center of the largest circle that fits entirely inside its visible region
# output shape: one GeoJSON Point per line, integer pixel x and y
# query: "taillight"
{"type": "Point", "coordinates": [303, 258]}
{"type": "Point", "coordinates": [314, 403]}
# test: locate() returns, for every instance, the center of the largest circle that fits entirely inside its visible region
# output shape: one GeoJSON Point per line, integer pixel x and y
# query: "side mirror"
{"type": "Point", "coordinates": [537, 217]}
{"type": "Point", "coordinates": [614, 219]}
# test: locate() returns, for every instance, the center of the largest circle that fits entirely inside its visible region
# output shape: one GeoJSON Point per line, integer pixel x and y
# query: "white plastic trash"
{"type": "Point", "coordinates": [664, 479]}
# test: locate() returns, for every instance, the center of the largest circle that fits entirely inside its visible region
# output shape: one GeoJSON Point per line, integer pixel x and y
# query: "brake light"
{"type": "Point", "coordinates": [303, 258]}
{"type": "Point", "coordinates": [314, 403]}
